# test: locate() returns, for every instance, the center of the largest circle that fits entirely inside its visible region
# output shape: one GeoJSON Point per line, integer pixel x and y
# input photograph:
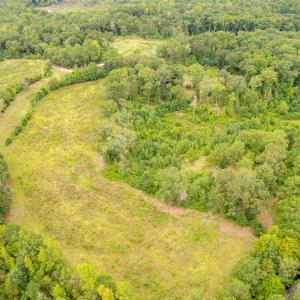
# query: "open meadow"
{"type": "Point", "coordinates": [163, 252]}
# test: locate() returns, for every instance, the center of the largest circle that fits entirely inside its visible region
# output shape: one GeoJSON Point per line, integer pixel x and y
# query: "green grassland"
{"type": "Point", "coordinates": [16, 70]}
{"type": "Point", "coordinates": [163, 252]}
{"type": "Point", "coordinates": [135, 45]}
{"type": "Point", "coordinates": [21, 105]}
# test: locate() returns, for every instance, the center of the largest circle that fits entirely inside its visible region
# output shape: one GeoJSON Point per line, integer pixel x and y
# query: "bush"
{"type": "Point", "coordinates": [198, 192]}
{"type": "Point", "coordinates": [39, 96]}
{"type": "Point", "coordinates": [256, 227]}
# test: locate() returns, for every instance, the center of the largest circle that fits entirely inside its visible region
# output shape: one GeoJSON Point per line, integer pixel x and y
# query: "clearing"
{"type": "Point", "coordinates": [127, 46]}
{"type": "Point", "coordinates": [164, 253]}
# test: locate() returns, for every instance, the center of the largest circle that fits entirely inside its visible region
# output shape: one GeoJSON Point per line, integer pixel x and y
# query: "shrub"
{"type": "Point", "coordinates": [198, 192]}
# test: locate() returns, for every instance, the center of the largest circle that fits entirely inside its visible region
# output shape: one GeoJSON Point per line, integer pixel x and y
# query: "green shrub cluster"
{"type": "Point", "coordinates": [88, 73]}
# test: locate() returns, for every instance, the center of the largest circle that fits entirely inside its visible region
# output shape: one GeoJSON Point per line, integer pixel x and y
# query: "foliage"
{"type": "Point", "coordinates": [88, 73]}
{"type": "Point", "coordinates": [198, 192]}
{"type": "Point", "coordinates": [171, 185]}
{"type": "Point", "coordinates": [5, 195]}
{"type": "Point", "coordinates": [271, 266]}
{"type": "Point", "coordinates": [237, 194]}
{"type": "Point", "coordinates": [33, 268]}
{"type": "Point", "coordinates": [225, 155]}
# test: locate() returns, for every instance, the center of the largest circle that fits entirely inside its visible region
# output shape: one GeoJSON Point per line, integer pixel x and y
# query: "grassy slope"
{"type": "Point", "coordinates": [16, 70]}
{"type": "Point", "coordinates": [59, 191]}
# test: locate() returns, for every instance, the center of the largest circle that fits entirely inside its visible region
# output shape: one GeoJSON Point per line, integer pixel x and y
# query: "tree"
{"type": "Point", "coordinates": [118, 85]}
{"type": "Point", "coordinates": [290, 188]}
{"type": "Point", "coordinates": [112, 60]}
{"type": "Point", "coordinates": [148, 83]}
{"type": "Point", "coordinates": [238, 193]}
{"type": "Point", "coordinates": [225, 154]}
{"type": "Point", "coordinates": [171, 184]}
{"type": "Point", "coordinates": [287, 215]}
{"type": "Point", "coordinates": [274, 155]}
{"type": "Point", "coordinates": [266, 174]}
{"type": "Point", "coordinates": [239, 290]}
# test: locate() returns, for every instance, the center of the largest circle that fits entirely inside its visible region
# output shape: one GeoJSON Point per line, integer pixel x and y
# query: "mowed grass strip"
{"type": "Point", "coordinates": [60, 193]}
{"type": "Point", "coordinates": [16, 70]}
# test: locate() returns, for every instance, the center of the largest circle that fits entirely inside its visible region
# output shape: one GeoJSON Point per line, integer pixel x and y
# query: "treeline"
{"type": "Point", "coordinates": [43, 2]}
{"type": "Point", "coordinates": [29, 33]}
{"type": "Point", "coordinates": [32, 268]}
{"type": "Point", "coordinates": [5, 194]}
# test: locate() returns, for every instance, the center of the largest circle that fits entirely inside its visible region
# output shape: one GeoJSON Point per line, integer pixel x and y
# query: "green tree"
{"type": "Point", "coordinates": [118, 85]}
{"type": "Point", "coordinates": [225, 154]}
{"type": "Point", "coordinates": [148, 83]}
{"type": "Point", "coordinates": [238, 193]}
{"type": "Point", "coordinates": [171, 184]}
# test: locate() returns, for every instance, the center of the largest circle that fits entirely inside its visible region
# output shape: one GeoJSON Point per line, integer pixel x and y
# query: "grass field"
{"type": "Point", "coordinates": [16, 70]}
{"type": "Point", "coordinates": [163, 252]}
{"type": "Point", "coordinates": [135, 45]}
{"type": "Point", "coordinates": [21, 105]}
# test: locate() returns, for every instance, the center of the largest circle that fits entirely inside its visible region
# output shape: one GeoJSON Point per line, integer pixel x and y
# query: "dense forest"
{"type": "Point", "coordinates": [222, 90]}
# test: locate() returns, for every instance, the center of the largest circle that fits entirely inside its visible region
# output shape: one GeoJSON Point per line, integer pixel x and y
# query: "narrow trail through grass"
{"type": "Point", "coordinates": [163, 252]}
